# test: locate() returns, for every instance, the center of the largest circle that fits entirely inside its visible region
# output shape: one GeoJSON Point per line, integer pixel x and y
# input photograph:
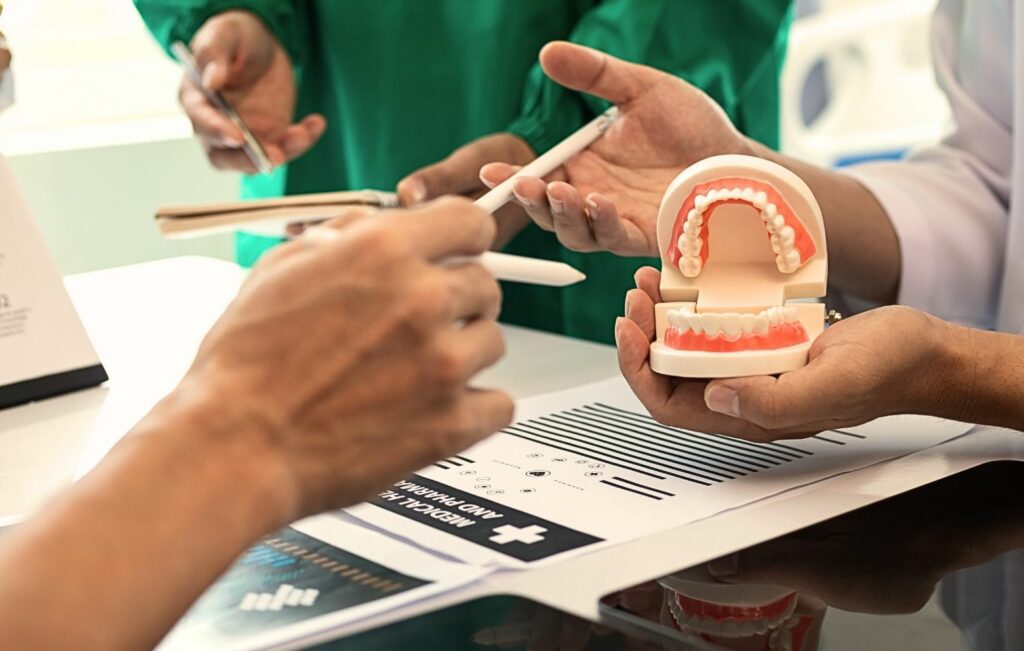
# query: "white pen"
{"type": "Point", "coordinates": [550, 160]}
{"type": "Point", "coordinates": [531, 270]}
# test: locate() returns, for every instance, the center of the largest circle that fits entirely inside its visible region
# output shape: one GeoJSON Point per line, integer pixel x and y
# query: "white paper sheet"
{"type": "Point", "coordinates": [587, 468]}
{"type": "Point", "coordinates": [296, 586]}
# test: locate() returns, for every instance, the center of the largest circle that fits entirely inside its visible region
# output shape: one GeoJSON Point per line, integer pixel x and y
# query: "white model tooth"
{"type": "Point", "coordinates": [789, 314]}
{"type": "Point", "coordinates": [769, 211]}
{"type": "Point", "coordinates": [695, 217]}
{"type": "Point", "coordinates": [776, 244]}
{"type": "Point", "coordinates": [778, 221]}
{"type": "Point", "coordinates": [792, 258]}
{"type": "Point", "coordinates": [700, 203]}
{"type": "Point", "coordinates": [761, 323]}
{"type": "Point", "coordinates": [692, 245]}
{"type": "Point", "coordinates": [690, 266]}
{"type": "Point", "coordinates": [678, 320]}
{"type": "Point", "coordinates": [690, 228]}
{"type": "Point", "coordinates": [780, 262]}
{"type": "Point", "coordinates": [787, 236]}
{"type": "Point", "coordinates": [732, 326]}
{"type": "Point", "coordinates": [774, 318]}
{"type": "Point", "coordinates": [712, 196]}
{"type": "Point", "coordinates": [759, 200]}
{"type": "Point", "coordinates": [747, 321]}
{"type": "Point", "coordinates": [748, 195]}
{"type": "Point", "coordinates": [712, 324]}
{"type": "Point", "coordinates": [736, 193]}
{"type": "Point", "coordinates": [695, 322]}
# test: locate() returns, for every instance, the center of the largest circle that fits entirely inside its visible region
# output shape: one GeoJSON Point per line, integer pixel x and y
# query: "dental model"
{"type": "Point", "coordinates": [739, 238]}
{"type": "Point", "coordinates": [740, 616]}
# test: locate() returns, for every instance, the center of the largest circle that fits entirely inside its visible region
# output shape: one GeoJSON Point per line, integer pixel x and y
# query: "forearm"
{"type": "Point", "coordinates": [116, 561]}
{"type": "Point", "coordinates": [980, 377]}
{"type": "Point", "coordinates": [863, 249]}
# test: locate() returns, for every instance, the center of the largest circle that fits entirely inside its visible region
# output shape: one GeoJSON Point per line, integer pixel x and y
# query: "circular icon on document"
{"type": "Point", "coordinates": [527, 490]}
{"type": "Point", "coordinates": [594, 473]}
{"type": "Point", "coordinates": [582, 461]}
{"type": "Point", "coordinates": [482, 486]}
{"type": "Point", "coordinates": [596, 465]}
{"type": "Point", "coordinates": [496, 491]}
{"type": "Point", "coordinates": [468, 472]}
{"type": "Point", "coordinates": [559, 459]}
{"type": "Point", "coordinates": [537, 473]}
{"type": "Point", "coordinates": [483, 479]}
{"type": "Point", "coordinates": [534, 455]}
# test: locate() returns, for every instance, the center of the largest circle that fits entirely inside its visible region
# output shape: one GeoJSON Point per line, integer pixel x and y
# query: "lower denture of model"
{"type": "Point", "coordinates": [728, 620]}
{"type": "Point", "coordinates": [724, 332]}
{"type": "Point", "coordinates": [789, 239]}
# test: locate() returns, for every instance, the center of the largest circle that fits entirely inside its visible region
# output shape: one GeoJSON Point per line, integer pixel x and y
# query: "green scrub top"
{"type": "Point", "coordinates": [404, 82]}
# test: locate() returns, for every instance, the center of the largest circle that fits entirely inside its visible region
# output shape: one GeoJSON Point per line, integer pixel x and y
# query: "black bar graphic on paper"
{"type": "Point", "coordinates": [610, 454]}
{"type": "Point", "coordinates": [774, 449]}
{"type": "Point", "coordinates": [516, 430]}
{"type": "Point", "coordinates": [651, 455]}
{"type": "Point", "coordinates": [820, 437]}
{"type": "Point", "coordinates": [631, 490]}
{"type": "Point", "coordinates": [708, 442]}
{"type": "Point", "coordinates": [695, 450]}
{"type": "Point", "coordinates": [848, 433]}
{"type": "Point", "coordinates": [694, 460]}
{"type": "Point", "coordinates": [636, 442]}
{"type": "Point", "coordinates": [466, 459]}
{"type": "Point", "coordinates": [480, 521]}
{"type": "Point", "coordinates": [647, 488]}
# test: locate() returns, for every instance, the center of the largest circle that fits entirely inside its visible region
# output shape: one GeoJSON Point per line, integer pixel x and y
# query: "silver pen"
{"type": "Point", "coordinates": [250, 145]}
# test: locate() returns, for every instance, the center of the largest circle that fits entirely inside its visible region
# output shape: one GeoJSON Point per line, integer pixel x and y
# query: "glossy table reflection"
{"type": "Point", "coordinates": [884, 560]}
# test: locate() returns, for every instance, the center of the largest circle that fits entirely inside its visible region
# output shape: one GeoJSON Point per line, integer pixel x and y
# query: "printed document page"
{"type": "Point", "coordinates": [587, 467]}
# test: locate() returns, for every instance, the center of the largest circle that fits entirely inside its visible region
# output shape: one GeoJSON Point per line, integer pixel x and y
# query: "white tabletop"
{"type": "Point", "coordinates": [147, 320]}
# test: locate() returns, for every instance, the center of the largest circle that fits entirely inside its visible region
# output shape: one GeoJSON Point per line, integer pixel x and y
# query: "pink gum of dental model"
{"type": "Point", "coordinates": [802, 240]}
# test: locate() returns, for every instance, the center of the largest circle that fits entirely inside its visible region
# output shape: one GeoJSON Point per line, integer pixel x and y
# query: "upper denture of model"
{"type": "Point", "coordinates": [790, 242]}
{"type": "Point", "coordinates": [725, 332]}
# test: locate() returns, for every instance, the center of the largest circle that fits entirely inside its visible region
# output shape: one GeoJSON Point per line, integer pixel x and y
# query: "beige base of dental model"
{"type": "Point", "coordinates": [740, 238]}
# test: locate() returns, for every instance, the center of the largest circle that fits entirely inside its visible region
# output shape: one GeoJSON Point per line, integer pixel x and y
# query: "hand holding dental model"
{"type": "Point", "coordinates": [739, 237]}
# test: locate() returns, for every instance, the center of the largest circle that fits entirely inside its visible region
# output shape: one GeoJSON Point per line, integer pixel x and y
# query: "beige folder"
{"type": "Point", "coordinates": [207, 219]}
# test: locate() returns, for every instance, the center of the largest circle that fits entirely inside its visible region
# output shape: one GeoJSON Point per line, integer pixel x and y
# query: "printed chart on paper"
{"type": "Point", "coordinates": [588, 467]}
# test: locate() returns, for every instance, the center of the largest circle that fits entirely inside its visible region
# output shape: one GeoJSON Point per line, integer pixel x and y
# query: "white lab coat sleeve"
{"type": "Point", "coordinates": [949, 203]}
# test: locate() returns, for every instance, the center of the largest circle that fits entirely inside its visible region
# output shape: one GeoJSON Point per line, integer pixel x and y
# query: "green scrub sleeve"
{"type": "Point", "coordinates": [179, 20]}
{"type": "Point", "coordinates": [730, 48]}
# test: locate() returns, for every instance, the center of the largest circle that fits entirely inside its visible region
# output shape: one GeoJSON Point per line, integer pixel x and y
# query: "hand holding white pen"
{"type": "Point", "coordinates": [607, 197]}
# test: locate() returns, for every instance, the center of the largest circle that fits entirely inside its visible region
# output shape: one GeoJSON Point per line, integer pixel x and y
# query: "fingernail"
{"type": "Point", "coordinates": [722, 399]}
{"type": "Point", "coordinates": [725, 566]}
{"type": "Point", "coordinates": [591, 208]}
{"type": "Point", "coordinates": [486, 181]}
{"type": "Point", "coordinates": [619, 322]}
{"type": "Point", "coordinates": [416, 190]}
{"type": "Point", "coordinates": [557, 207]}
{"type": "Point", "coordinates": [521, 199]}
{"type": "Point", "coordinates": [233, 143]}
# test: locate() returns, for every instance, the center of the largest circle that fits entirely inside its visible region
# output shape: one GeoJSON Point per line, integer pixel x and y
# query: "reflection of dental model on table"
{"type": "Point", "coordinates": [739, 237]}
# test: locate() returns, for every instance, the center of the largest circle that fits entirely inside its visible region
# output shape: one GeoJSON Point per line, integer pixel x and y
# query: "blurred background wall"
{"type": "Point", "coordinates": [95, 137]}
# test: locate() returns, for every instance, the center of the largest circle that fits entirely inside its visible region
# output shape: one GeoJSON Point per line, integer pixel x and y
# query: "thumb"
{"type": "Point", "coordinates": [801, 397]}
{"type": "Point", "coordinates": [594, 72]}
